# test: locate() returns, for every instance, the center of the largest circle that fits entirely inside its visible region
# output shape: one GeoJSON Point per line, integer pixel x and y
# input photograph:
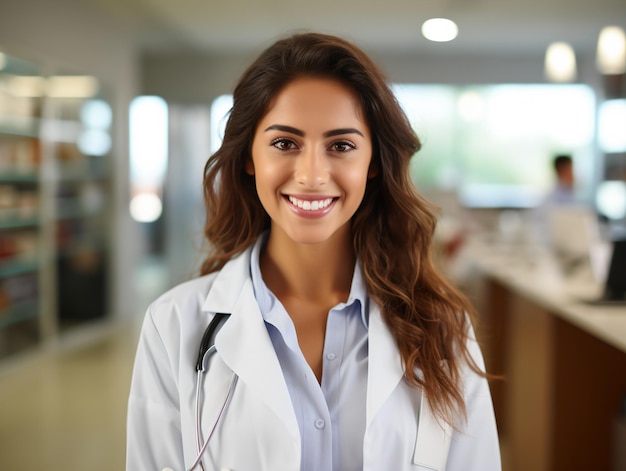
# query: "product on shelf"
{"type": "Point", "coordinates": [18, 293]}
{"type": "Point", "coordinates": [18, 247]}
{"type": "Point", "coordinates": [19, 156]}
{"type": "Point", "coordinates": [17, 203]}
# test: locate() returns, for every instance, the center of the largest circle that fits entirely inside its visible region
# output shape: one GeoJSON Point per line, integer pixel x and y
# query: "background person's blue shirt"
{"type": "Point", "coordinates": [331, 416]}
{"type": "Point", "coordinates": [561, 195]}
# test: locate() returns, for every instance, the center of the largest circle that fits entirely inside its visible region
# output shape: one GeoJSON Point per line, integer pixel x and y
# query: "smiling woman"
{"type": "Point", "coordinates": [344, 348]}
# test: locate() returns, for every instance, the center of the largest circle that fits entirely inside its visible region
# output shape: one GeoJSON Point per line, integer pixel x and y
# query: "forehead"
{"type": "Point", "coordinates": [308, 99]}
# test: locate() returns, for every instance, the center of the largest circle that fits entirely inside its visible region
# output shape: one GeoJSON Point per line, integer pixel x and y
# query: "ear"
{"type": "Point", "coordinates": [249, 166]}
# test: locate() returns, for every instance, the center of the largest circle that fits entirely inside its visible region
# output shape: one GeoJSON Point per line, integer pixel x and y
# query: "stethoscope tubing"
{"type": "Point", "coordinates": [204, 354]}
{"type": "Point", "coordinates": [202, 446]}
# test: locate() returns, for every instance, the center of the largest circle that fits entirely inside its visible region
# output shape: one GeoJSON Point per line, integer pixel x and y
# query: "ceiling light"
{"type": "Point", "coordinates": [146, 207]}
{"type": "Point", "coordinates": [72, 86]}
{"type": "Point", "coordinates": [440, 29]}
{"type": "Point", "coordinates": [25, 86]}
{"type": "Point", "coordinates": [94, 142]}
{"type": "Point", "coordinates": [560, 64]}
{"type": "Point", "coordinates": [611, 57]}
{"type": "Point", "coordinates": [611, 199]}
{"type": "Point", "coordinates": [96, 114]}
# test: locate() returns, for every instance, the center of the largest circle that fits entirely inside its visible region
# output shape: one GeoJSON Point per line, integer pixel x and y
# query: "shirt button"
{"type": "Point", "coordinates": [319, 423]}
{"type": "Point", "coordinates": [331, 356]}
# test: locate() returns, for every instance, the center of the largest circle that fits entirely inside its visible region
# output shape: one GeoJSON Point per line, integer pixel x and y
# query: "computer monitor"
{"type": "Point", "coordinates": [572, 232]}
{"type": "Point", "coordinates": [615, 288]}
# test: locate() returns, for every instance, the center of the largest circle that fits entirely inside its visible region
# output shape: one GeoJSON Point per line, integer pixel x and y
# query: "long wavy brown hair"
{"type": "Point", "coordinates": [392, 229]}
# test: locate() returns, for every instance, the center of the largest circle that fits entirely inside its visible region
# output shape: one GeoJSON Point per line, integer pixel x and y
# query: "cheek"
{"type": "Point", "coordinates": [267, 179]}
{"type": "Point", "coordinates": [355, 179]}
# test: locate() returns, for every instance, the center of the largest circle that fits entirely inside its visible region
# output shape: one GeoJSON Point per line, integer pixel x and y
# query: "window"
{"type": "Point", "coordinates": [494, 144]}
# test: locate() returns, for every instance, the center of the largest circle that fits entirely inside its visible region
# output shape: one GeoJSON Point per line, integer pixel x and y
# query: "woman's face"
{"type": "Point", "coordinates": [311, 157]}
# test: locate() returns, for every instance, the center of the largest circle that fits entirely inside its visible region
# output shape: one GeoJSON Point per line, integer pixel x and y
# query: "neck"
{"type": "Point", "coordinates": [309, 272]}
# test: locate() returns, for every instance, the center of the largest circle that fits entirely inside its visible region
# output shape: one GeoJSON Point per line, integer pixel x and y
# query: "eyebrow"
{"type": "Point", "coordinates": [298, 132]}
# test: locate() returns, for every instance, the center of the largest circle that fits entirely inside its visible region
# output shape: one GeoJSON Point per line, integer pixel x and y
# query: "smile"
{"type": "Point", "coordinates": [310, 205]}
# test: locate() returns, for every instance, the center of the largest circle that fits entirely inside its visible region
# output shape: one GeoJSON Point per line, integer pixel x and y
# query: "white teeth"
{"type": "Point", "coordinates": [310, 205]}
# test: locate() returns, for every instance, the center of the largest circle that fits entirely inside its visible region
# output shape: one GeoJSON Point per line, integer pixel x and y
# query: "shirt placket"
{"type": "Point", "coordinates": [331, 373]}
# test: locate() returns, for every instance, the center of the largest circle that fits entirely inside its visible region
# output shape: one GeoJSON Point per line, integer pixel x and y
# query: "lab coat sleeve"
{"type": "Point", "coordinates": [475, 446]}
{"type": "Point", "coordinates": [154, 439]}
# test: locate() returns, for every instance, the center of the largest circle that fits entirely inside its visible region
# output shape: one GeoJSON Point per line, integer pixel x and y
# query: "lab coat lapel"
{"type": "Point", "coordinates": [243, 342]}
{"type": "Point", "coordinates": [385, 365]}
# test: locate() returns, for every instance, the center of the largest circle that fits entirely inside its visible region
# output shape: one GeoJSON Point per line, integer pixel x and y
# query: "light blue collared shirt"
{"type": "Point", "coordinates": [331, 416]}
{"type": "Point", "coordinates": [561, 195]}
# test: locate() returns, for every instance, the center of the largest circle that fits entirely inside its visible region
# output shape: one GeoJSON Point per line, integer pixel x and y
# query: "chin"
{"type": "Point", "coordinates": [315, 235]}
{"type": "Point", "coordinates": [310, 238]}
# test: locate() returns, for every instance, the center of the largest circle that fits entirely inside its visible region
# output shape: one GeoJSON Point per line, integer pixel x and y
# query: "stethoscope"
{"type": "Point", "coordinates": [207, 348]}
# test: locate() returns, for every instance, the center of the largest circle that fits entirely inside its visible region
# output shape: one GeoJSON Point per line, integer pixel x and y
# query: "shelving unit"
{"type": "Point", "coordinates": [55, 220]}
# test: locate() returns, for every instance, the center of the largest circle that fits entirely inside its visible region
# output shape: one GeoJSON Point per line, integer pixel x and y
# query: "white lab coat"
{"type": "Point", "coordinates": [259, 430]}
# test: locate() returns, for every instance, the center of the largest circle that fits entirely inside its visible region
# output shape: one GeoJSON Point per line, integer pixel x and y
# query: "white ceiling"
{"type": "Point", "coordinates": [492, 26]}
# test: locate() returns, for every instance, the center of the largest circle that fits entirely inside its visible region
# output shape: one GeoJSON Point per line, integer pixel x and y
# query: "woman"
{"type": "Point", "coordinates": [344, 348]}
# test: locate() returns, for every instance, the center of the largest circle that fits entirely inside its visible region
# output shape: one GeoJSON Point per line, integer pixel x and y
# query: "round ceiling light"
{"type": "Point", "coordinates": [560, 62]}
{"type": "Point", "coordinates": [440, 29]}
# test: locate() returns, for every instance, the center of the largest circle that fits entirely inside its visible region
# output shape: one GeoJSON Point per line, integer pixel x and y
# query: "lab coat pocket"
{"type": "Point", "coordinates": [433, 439]}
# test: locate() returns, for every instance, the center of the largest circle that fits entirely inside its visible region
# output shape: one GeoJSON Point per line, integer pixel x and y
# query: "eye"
{"type": "Point", "coordinates": [284, 144]}
{"type": "Point", "coordinates": [342, 146]}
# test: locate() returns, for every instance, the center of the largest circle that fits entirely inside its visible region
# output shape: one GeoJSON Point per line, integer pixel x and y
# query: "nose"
{"type": "Point", "coordinates": [312, 168]}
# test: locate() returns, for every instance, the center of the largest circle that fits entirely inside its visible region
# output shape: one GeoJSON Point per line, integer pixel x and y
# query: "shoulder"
{"type": "Point", "coordinates": [474, 356]}
{"type": "Point", "coordinates": [181, 303]}
{"type": "Point", "coordinates": [191, 301]}
{"type": "Point", "coordinates": [194, 291]}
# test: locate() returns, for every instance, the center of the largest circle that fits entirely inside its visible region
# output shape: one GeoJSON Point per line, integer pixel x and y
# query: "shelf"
{"type": "Point", "coordinates": [61, 130]}
{"type": "Point", "coordinates": [97, 248]}
{"type": "Point", "coordinates": [17, 178]}
{"type": "Point", "coordinates": [55, 219]}
{"type": "Point", "coordinates": [21, 312]}
{"type": "Point", "coordinates": [17, 268]}
{"type": "Point", "coordinates": [88, 176]}
{"type": "Point", "coordinates": [76, 212]}
{"type": "Point", "coordinates": [19, 224]}
{"type": "Point", "coordinates": [19, 126]}
{"type": "Point", "coordinates": [86, 169]}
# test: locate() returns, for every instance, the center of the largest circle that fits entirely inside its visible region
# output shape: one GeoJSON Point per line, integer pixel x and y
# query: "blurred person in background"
{"type": "Point", "coordinates": [561, 197]}
{"type": "Point", "coordinates": [343, 348]}
{"type": "Point", "coordinates": [565, 225]}
{"type": "Point", "coordinates": [564, 191]}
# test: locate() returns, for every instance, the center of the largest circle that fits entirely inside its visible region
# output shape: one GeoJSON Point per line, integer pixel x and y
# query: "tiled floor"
{"type": "Point", "coordinates": [67, 411]}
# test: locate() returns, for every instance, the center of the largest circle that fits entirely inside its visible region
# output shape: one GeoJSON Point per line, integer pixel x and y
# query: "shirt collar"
{"type": "Point", "coordinates": [266, 300]}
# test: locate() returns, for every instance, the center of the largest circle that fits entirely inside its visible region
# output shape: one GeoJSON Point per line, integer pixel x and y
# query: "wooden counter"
{"type": "Point", "coordinates": [564, 362]}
